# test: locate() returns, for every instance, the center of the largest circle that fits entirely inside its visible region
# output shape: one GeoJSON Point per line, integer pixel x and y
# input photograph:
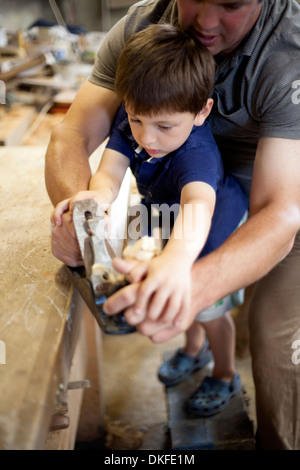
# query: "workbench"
{"type": "Point", "coordinates": [43, 360]}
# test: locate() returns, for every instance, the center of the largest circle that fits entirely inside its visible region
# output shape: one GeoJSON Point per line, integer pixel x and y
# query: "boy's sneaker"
{"type": "Point", "coordinates": [181, 365]}
{"type": "Point", "coordinates": [213, 395]}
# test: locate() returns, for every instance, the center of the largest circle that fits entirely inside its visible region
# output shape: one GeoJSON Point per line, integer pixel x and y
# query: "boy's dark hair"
{"type": "Point", "coordinates": [163, 68]}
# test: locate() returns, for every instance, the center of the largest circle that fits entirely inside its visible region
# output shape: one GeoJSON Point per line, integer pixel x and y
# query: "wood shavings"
{"type": "Point", "coordinates": [143, 250]}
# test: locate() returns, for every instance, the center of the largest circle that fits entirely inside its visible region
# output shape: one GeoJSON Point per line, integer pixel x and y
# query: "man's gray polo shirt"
{"type": "Point", "coordinates": [256, 88]}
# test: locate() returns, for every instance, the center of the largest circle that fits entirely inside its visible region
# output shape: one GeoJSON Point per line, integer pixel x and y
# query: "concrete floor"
{"type": "Point", "coordinates": [136, 415]}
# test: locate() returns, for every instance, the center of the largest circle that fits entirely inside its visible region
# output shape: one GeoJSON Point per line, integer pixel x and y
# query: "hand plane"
{"type": "Point", "coordinates": [97, 280]}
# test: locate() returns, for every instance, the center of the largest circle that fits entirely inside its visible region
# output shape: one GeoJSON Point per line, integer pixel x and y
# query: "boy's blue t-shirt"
{"type": "Point", "coordinates": [160, 180]}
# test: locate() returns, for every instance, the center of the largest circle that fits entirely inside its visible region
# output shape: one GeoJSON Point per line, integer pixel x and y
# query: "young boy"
{"type": "Point", "coordinates": [164, 79]}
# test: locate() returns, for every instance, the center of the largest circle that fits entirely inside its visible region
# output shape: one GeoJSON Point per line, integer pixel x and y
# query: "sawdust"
{"type": "Point", "coordinates": [121, 435]}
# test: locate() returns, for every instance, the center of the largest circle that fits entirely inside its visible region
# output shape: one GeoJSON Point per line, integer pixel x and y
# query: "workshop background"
{"type": "Point", "coordinates": [47, 50]}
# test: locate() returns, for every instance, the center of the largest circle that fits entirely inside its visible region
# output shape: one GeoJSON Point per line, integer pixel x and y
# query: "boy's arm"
{"type": "Point", "coordinates": [67, 169]}
{"type": "Point", "coordinates": [104, 185]}
{"type": "Point", "coordinates": [108, 178]}
{"type": "Point", "coordinates": [261, 242]}
{"type": "Point", "coordinates": [164, 294]}
{"type": "Point", "coordinates": [191, 227]}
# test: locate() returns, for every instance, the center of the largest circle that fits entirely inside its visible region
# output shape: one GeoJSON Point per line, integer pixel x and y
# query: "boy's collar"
{"type": "Point", "coordinates": [140, 152]}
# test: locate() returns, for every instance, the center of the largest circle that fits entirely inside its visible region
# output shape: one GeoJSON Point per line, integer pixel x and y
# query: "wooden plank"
{"type": "Point", "coordinates": [231, 429]}
{"type": "Point", "coordinates": [14, 123]}
{"type": "Point", "coordinates": [40, 315]}
{"type": "Point", "coordinates": [92, 417]}
{"type": "Point", "coordinates": [65, 439]}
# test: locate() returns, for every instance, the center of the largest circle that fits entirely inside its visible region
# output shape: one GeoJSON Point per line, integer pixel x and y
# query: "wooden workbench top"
{"type": "Point", "coordinates": [39, 312]}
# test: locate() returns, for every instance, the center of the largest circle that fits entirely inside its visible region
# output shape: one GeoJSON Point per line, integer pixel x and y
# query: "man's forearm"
{"type": "Point", "coordinates": [67, 169]}
{"type": "Point", "coordinates": [84, 128]}
{"type": "Point", "coordinates": [249, 254]}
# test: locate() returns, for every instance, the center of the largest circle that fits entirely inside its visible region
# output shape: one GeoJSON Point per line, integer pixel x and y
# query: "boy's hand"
{"type": "Point", "coordinates": [68, 205]}
{"type": "Point", "coordinates": [61, 207]}
{"type": "Point", "coordinates": [90, 194]}
{"type": "Point", "coordinates": [64, 241]}
{"type": "Point", "coordinates": [164, 291]}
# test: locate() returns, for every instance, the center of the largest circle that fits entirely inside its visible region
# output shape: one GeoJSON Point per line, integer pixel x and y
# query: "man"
{"type": "Point", "coordinates": [256, 122]}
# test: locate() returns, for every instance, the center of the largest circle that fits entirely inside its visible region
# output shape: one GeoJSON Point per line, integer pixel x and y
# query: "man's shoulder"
{"type": "Point", "coordinates": [146, 12]}
{"type": "Point", "coordinates": [152, 7]}
{"type": "Point", "coordinates": [276, 30]}
{"type": "Point", "coordinates": [280, 29]}
{"type": "Point", "coordinates": [274, 63]}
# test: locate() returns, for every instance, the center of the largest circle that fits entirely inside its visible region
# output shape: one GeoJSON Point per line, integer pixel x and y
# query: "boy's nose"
{"type": "Point", "coordinates": [147, 138]}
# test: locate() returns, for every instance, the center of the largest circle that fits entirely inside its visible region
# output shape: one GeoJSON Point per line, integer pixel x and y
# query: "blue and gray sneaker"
{"type": "Point", "coordinates": [213, 395]}
{"type": "Point", "coordinates": [181, 365]}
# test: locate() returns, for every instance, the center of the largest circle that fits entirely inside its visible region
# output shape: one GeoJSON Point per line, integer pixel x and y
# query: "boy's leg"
{"type": "Point", "coordinates": [221, 336]}
{"type": "Point", "coordinates": [215, 391]}
{"type": "Point", "coordinates": [220, 333]}
{"type": "Point", "coordinates": [196, 353]}
{"type": "Point", "coordinates": [193, 356]}
{"type": "Point", "coordinates": [194, 339]}
{"type": "Point", "coordinates": [274, 321]}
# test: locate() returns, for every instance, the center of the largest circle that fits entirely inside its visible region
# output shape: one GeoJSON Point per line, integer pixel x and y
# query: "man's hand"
{"type": "Point", "coordinates": [164, 292]}
{"type": "Point", "coordinates": [65, 246]}
{"type": "Point", "coordinates": [124, 300]}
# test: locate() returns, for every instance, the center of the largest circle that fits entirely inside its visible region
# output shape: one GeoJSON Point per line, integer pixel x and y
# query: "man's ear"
{"type": "Point", "coordinates": [204, 113]}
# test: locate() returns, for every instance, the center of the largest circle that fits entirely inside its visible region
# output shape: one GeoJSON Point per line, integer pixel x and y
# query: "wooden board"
{"type": "Point", "coordinates": [40, 315]}
{"type": "Point", "coordinates": [231, 429]}
{"type": "Point", "coordinates": [65, 439]}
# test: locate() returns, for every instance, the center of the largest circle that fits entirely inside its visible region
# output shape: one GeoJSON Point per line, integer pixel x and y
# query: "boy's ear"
{"type": "Point", "coordinates": [204, 113]}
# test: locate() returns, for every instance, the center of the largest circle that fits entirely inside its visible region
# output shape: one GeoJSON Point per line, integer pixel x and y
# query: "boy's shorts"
{"type": "Point", "coordinates": [221, 307]}
{"type": "Point", "coordinates": [224, 305]}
